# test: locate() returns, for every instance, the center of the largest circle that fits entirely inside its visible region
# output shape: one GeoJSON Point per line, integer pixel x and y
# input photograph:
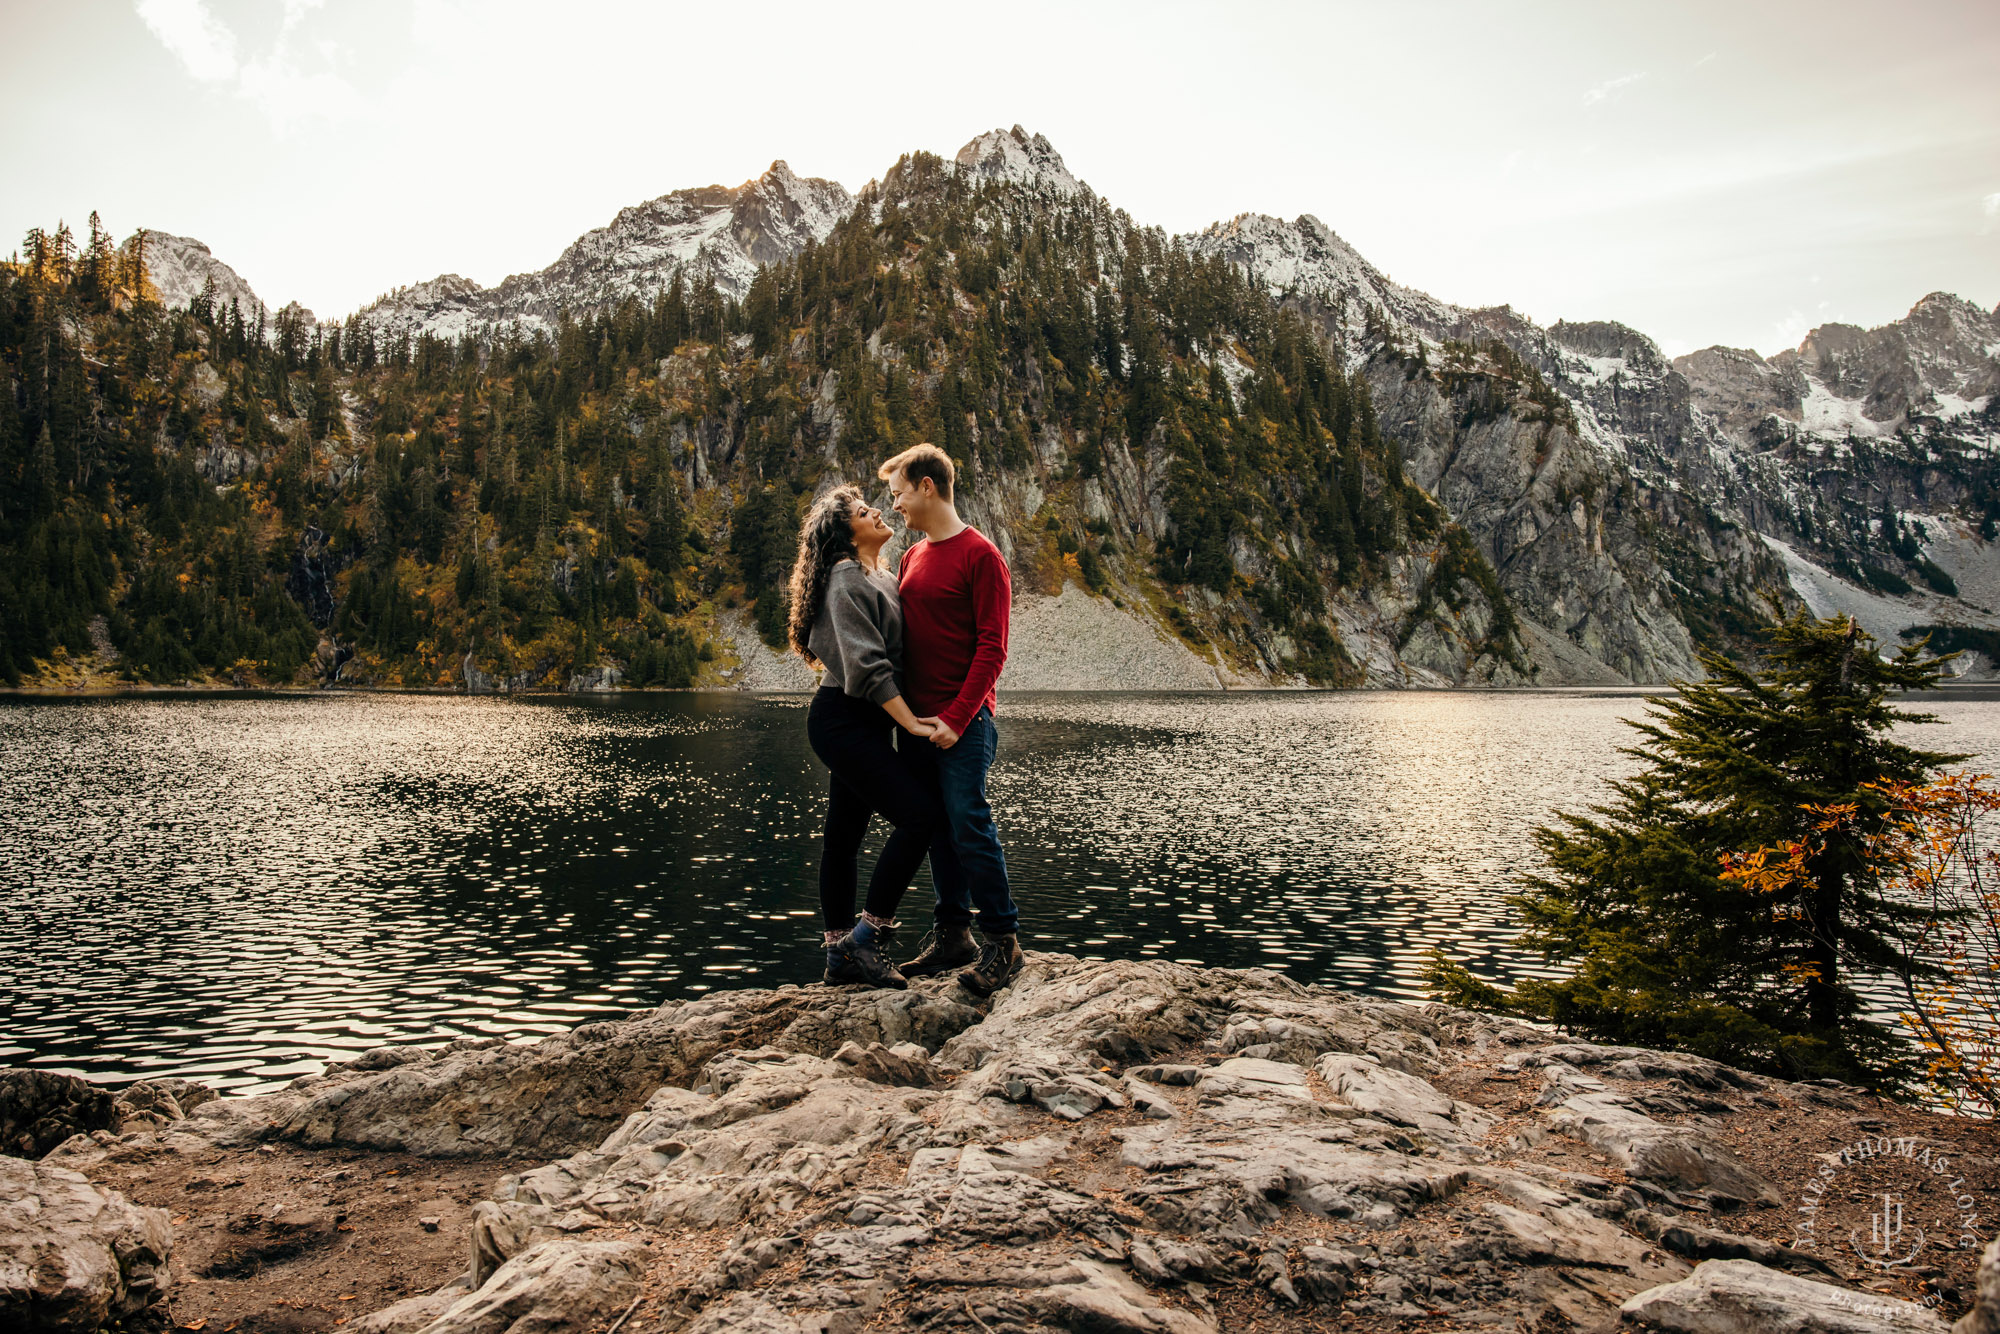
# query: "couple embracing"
{"type": "Point", "coordinates": [904, 720]}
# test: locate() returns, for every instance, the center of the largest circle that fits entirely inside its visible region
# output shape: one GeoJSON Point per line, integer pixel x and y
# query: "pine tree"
{"type": "Point", "coordinates": [763, 538]}
{"type": "Point", "coordinates": [1665, 950]}
{"type": "Point", "coordinates": [760, 310]}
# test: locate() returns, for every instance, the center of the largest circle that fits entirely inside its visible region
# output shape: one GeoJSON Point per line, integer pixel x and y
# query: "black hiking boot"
{"type": "Point", "coordinates": [856, 963]}
{"type": "Point", "coordinates": [999, 961]}
{"type": "Point", "coordinates": [944, 949]}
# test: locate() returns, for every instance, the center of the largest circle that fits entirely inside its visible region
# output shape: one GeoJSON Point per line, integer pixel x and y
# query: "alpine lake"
{"type": "Point", "coordinates": [237, 888]}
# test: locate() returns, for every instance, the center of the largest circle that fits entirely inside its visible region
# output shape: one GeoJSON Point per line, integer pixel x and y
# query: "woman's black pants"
{"type": "Point", "coordinates": [852, 738]}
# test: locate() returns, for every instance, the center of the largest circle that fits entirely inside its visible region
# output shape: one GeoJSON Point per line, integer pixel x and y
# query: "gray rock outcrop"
{"type": "Point", "coordinates": [1984, 1317]}
{"type": "Point", "coordinates": [1103, 1146]}
{"type": "Point", "coordinates": [557, 1285]}
{"type": "Point", "coordinates": [39, 1110]}
{"type": "Point", "coordinates": [73, 1257]}
{"type": "Point", "coordinates": [1741, 1297]}
{"type": "Point", "coordinates": [567, 1092]}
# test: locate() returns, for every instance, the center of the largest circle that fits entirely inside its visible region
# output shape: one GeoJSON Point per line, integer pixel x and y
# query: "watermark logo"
{"type": "Point", "coordinates": [1886, 1236]}
{"type": "Point", "coordinates": [1886, 1201]}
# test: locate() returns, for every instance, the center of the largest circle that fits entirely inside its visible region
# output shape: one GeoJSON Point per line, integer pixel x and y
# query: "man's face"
{"type": "Point", "coordinates": [902, 496]}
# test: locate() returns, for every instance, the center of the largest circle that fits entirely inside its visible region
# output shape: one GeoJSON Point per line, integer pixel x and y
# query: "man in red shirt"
{"type": "Point", "coordinates": [956, 594]}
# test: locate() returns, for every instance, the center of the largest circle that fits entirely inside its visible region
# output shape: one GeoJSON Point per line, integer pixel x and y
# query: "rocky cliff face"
{"type": "Point", "coordinates": [1866, 459]}
{"type": "Point", "coordinates": [1685, 484]}
{"type": "Point", "coordinates": [1538, 477]}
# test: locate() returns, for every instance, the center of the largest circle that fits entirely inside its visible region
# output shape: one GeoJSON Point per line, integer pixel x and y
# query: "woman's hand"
{"type": "Point", "coordinates": [908, 720]}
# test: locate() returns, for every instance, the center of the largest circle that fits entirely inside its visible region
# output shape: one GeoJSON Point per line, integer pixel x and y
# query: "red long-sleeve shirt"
{"type": "Point", "coordinates": [956, 594]}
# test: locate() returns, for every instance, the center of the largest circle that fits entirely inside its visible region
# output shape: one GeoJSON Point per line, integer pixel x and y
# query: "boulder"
{"type": "Point", "coordinates": [1562, 1235]}
{"type": "Point", "coordinates": [1179, 1076]}
{"type": "Point", "coordinates": [1394, 1094]}
{"type": "Point", "coordinates": [73, 1257]}
{"type": "Point", "coordinates": [1071, 1294]}
{"type": "Point", "coordinates": [153, 1103]}
{"type": "Point", "coordinates": [1675, 1155]}
{"type": "Point", "coordinates": [40, 1109]}
{"type": "Point", "coordinates": [412, 1313]}
{"type": "Point", "coordinates": [1984, 1317]}
{"type": "Point", "coordinates": [1696, 1242]}
{"type": "Point", "coordinates": [748, 1314]}
{"type": "Point", "coordinates": [1743, 1297]}
{"type": "Point", "coordinates": [1249, 1090]}
{"type": "Point", "coordinates": [1107, 1300]}
{"type": "Point", "coordinates": [773, 1128]}
{"type": "Point", "coordinates": [569, 1091]}
{"type": "Point", "coordinates": [556, 1287]}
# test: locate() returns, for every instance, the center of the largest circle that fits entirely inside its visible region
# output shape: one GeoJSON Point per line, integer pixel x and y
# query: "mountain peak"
{"type": "Point", "coordinates": [179, 266]}
{"type": "Point", "coordinates": [1015, 155]}
{"type": "Point", "coordinates": [1304, 256]}
{"type": "Point", "coordinates": [780, 175]}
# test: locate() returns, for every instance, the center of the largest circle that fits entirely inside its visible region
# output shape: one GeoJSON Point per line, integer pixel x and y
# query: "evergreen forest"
{"type": "Point", "coordinates": [204, 493]}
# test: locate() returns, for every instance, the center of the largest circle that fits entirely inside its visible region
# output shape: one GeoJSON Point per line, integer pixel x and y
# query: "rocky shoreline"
{"type": "Point", "coordinates": [1106, 1148]}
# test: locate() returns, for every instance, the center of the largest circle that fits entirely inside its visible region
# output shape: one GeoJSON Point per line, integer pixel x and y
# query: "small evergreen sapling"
{"type": "Point", "coordinates": [1666, 949]}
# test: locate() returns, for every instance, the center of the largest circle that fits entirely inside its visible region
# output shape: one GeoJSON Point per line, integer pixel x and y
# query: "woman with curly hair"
{"type": "Point", "coordinates": [847, 621]}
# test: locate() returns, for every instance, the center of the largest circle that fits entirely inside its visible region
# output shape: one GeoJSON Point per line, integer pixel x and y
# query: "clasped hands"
{"type": "Point", "coordinates": [937, 731]}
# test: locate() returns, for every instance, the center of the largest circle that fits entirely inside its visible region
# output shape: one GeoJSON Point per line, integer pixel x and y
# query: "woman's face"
{"type": "Point", "coordinates": [869, 530]}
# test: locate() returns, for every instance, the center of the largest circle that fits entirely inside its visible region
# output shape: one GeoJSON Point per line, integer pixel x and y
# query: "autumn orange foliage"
{"type": "Point", "coordinates": [1934, 850]}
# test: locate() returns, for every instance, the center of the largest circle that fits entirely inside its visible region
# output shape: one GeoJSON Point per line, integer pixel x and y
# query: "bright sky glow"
{"type": "Point", "coordinates": [1708, 172]}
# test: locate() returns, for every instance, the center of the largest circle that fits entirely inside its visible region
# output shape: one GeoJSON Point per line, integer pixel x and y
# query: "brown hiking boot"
{"type": "Point", "coordinates": [854, 962]}
{"type": "Point", "coordinates": [944, 949]}
{"type": "Point", "coordinates": [999, 960]}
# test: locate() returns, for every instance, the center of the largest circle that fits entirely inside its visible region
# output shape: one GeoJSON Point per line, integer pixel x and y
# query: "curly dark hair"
{"type": "Point", "coordinates": [825, 539]}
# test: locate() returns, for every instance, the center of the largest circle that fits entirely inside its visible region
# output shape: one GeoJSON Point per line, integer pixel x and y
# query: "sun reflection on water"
{"type": "Point", "coordinates": [238, 888]}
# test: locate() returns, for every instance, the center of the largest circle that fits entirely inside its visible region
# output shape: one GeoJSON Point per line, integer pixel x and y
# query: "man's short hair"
{"type": "Point", "coordinates": [921, 461]}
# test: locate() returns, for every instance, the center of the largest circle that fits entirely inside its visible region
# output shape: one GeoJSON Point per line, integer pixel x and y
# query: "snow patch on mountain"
{"type": "Point", "coordinates": [1020, 158]}
{"type": "Point", "coordinates": [1826, 413]}
{"type": "Point", "coordinates": [1881, 615]}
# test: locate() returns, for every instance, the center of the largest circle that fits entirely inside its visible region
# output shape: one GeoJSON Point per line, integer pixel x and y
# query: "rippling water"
{"type": "Point", "coordinates": [237, 888]}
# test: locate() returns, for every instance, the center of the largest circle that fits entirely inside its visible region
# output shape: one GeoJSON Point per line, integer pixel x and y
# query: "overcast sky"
{"type": "Point", "coordinates": [1707, 172]}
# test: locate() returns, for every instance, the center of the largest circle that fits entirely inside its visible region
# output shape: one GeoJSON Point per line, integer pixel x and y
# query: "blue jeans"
{"type": "Point", "coordinates": [968, 869]}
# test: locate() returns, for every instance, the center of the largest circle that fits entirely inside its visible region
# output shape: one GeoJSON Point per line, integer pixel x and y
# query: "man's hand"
{"type": "Point", "coordinates": [941, 736]}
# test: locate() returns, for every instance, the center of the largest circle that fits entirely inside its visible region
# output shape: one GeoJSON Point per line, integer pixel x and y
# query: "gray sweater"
{"type": "Point", "coordinates": [859, 633]}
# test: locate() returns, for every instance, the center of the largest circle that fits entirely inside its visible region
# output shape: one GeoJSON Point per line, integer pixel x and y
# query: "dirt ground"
{"type": "Point", "coordinates": [290, 1240]}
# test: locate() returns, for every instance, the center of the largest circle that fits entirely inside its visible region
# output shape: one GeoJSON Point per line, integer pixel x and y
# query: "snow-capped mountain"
{"type": "Point", "coordinates": [1669, 492]}
{"type": "Point", "coordinates": [1634, 506]}
{"type": "Point", "coordinates": [1941, 362]}
{"type": "Point", "coordinates": [180, 265]}
{"type": "Point", "coordinates": [712, 231]}
{"type": "Point", "coordinates": [1018, 158]}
